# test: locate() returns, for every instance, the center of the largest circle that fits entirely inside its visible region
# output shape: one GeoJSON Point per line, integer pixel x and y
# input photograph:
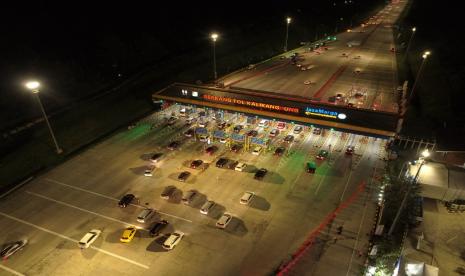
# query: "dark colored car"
{"type": "Point", "coordinates": [236, 148]}
{"type": "Point", "coordinates": [350, 150]}
{"type": "Point", "coordinates": [11, 248]}
{"type": "Point", "coordinates": [196, 163]}
{"type": "Point", "coordinates": [183, 176]}
{"type": "Point", "coordinates": [189, 132]}
{"type": "Point", "coordinates": [221, 162]}
{"type": "Point", "coordinates": [279, 151]}
{"type": "Point", "coordinates": [252, 133]}
{"type": "Point", "coordinates": [173, 145]}
{"type": "Point", "coordinates": [211, 149]}
{"type": "Point", "coordinates": [260, 173]}
{"type": "Point", "coordinates": [168, 192]}
{"type": "Point", "coordinates": [172, 120]}
{"type": "Point", "coordinates": [155, 157]}
{"type": "Point", "coordinates": [289, 138]}
{"type": "Point", "coordinates": [238, 128]}
{"type": "Point", "coordinates": [317, 131]}
{"type": "Point", "coordinates": [156, 228]}
{"type": "Point", "coordinates": [322, 155]}
{"type": "Point", "coordinates": [126, 200]}
{"type": "Point", "coordinates": [222, 125]}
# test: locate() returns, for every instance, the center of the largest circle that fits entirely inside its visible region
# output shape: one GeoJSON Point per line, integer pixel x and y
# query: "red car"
{"type": "Point", "coordinates": [211, 149]}
{"type": "Point", "coordinates": [281, 125]}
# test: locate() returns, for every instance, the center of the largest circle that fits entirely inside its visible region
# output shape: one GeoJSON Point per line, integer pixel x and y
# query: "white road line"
{"type": "Point", "coordinates": [73, 240]}
{"type": "Point", "coordinates": [80, 209]}
{"type": "Point", "coordinates": [109, 197]}
{"type": "Point", "coordinates": [11, 270]}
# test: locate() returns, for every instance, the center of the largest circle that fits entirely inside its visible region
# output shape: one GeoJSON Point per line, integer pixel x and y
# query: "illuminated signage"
{"type": "Point", "coordinates": [321, 112]}
{"type": "Point", "coordinates": [250, 103]}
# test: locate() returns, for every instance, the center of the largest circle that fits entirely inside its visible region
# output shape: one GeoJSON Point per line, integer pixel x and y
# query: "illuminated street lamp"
{"type": "Point", "coordinates": [424, 155]}
{"type": "Point", "coordinates": [424, 56]}
{"type": "Point", "coordinates": [214, 37]}
{"type": "Point", "coordinates": [288, 21]}
{"type": "Point", "coordinates": [34, 87]}
{"type": "Point", "coordinates": [409, 43]}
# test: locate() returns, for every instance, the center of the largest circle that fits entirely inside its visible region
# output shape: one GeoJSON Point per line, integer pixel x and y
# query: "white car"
{"type": "Point", "coordinates": [145, 215]}
{"type": "Point", "coordinates": [203, 138]}
{"type": "Point", "coordinates": [206, 207]}
{"type": "Point", "coordinates": [173, 240]}
{"type": "Point", "coordinates": [240, 167]}
{"type": "Point", "coordinates": [89, 238]}
{"type": "Point", "coordinates": [224, 220]}
{"type": "Point", "coordinates": [274, 132]}
{"type": "Point", "coordinates": [149, 170]}
{"type": "Point", "coordinates": [257, 150]}
{"type": "Point", "coordinates": [247, 197]}
{"type": "Point", "coordinates": [223, 140]}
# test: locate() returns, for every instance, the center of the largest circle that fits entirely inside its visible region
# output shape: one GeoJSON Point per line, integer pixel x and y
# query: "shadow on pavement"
{"type": "Point", "coordinates": [156, 244]}
{"type": "Point", "coordinates": [217, 211]}
{"type": "Point", "coordinates": [250, 169]}
{"type": "Point", "coordinates": [260, 203]}
{"type": "Point", "coordinates": [273, 177]}
{"type": "Point", "coordinates": [138, 170]}
{"type": "Point", "coordinates": [236, 227]}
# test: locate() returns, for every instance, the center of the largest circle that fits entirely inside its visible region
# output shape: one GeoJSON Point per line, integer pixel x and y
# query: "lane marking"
{"type": "Point", "coordinates": [80, 209]}
{"type": "Point", "coordinates": [111, 198]}
{"type": "Point", "coordinates": [11, 270]}
{"type": "Point", "coordinates": [73, 240]}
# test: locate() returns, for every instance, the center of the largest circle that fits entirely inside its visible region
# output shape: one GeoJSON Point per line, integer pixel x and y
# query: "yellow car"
{"type": "Point", "coordinates": [128, 234]}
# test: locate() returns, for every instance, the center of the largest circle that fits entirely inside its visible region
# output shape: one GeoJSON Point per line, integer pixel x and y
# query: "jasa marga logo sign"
{"type": "Point", "coordinates": [321, 112]}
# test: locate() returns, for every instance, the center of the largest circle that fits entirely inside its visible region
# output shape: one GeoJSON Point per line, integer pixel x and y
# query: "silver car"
{"type": "Point", "coordinates": [206, 207]}
{"type": "Point", "coordinates": [11, 248]}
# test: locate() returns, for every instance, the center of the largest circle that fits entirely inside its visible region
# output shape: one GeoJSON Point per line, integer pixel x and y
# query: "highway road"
{"type": "Point", "coordinates": [56, 209]}
{"type": "Point", "coordinates": [365, 75]}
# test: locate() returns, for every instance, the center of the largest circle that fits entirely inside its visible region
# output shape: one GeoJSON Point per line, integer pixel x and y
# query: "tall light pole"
{"type": "Point", "coordinates": [214, 37]}
{"type": "Point", "coordinates": [409, 43]}
{"type": "Point", "coordinates": [424, 155]}
{"type": "Point", "coordinates": [424, 56]}
{"type": "Point", "coordinates": [34, 87]}
{"type": "Point", "coordinates": [288, 21]}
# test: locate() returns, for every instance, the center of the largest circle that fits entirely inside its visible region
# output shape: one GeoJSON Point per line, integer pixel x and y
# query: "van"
{"type": "Point", "coordinates": [145, 215]}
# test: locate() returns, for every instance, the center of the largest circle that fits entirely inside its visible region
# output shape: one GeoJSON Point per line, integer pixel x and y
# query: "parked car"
{"type": "Point", "coordinates": [203, 123]}
{"type": "Point", "coordinates": [310, 167]}
{"type": "Point", "coordinates": [298, 129]}
{"type": "Point", "coordinates": [322, 155]}
{"type": "Point", "coordinates": [211, 149]}
{"type": "Point", "coordinates": [128, 234]}
{"type": "Point", "coordinates": [247, 197]}
{"type": "Point", "coordinates": [196, 163]}
{"type": "Point", "coordinates": [157, 227]}
{"type": "Point", "coordinates": [317, 131]}
{"type": "Point", "coordinates": [156, 157]}
{"type": "Point", "coordinates": [189, 133]}
{"type": "Point", "coordinates": [260, 174]}
{"type": "Point", "coordinates": [232, 165]}
{"type": "Point", "coordinates": [145, 215]}
{"type": "Point", "coordinates": [238, 128]}
{"type": "Point", "coordinates": [11, 248]}
{"type": "Point", "coordinates": [206, 207]}
{"type": "Point", "coordinates": [172, 120]}
{"type": "Point", "coordinates": [126, 200]}
{"type": "Point", "coordinates": [149, 170]}
{"type": "Point", "coordinates": [89, 238]}
{"type": "Point", "coordinates": [189, 197]}
{"type": "Point", "coordinates": [168, 192]}
{"type": "Point", "coordinates": [173, 145]}
{"type": "Point", "coordinates": [173, 240]}
{"type": "Point", "coordinates": [236, 148]}
{"type": "Point", "coordinates": [289, 138]}
{"type": "Point", "coordinates": [221, 162]}
{"type": "Point", "coordinates": [240, 167]}
{"type": "Point", "coordinates": [274, 132]}
{"type": "Point", "coordinates": [257, 150]}
{"type": "Point", "coordinates": [224, 220]}
{"type": "Point", "coordinates": [350, 150]}
{"type": "Point", "coordinates": [252, 133]}
{"type": "Point", "coordinates": [183, 176]}
{"type": "Point", "coordinates": [204, 137]}
{"type": "Point", "coordinates": [279, 151]}
{"type": "Point", "coordinates": [281, 125]}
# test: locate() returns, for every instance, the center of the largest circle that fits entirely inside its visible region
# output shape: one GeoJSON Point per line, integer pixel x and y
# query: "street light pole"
{"type": "Point", "coordinates": [424, 56]}
{"type": "Point", "coordinates": [288, 21]}
{"type": "Point", "coordinates": [34, 87]}
{"type": "Point", "coordinates": [409, 43]}
{"type": "Point", "coordinates": [424, 154]}
{"type": "Point", "coordinates": [214, 37]}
